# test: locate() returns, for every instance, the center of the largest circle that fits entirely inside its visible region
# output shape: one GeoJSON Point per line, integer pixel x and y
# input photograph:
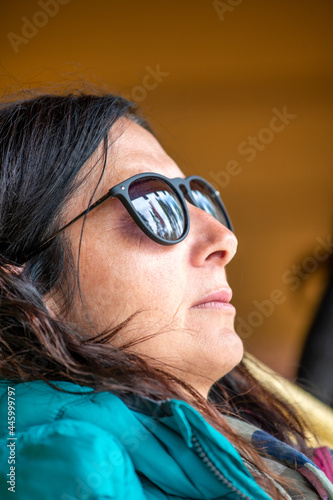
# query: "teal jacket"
{"type": "Point", "coordinates": [84, 446]}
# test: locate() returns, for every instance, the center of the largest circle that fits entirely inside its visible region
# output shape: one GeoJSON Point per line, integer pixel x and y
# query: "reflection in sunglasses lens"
{"type": "Point", "coordinates": [205, 199]}
{"type": "Point", "coordinates": [158, 207]}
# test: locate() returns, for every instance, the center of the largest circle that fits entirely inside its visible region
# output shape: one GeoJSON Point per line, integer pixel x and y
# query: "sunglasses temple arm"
{"type": "Point", "coordinates": [82, 214]}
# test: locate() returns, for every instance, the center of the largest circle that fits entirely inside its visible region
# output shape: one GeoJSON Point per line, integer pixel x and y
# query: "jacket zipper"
{"type": "Point", "coordinates": [212, 467]}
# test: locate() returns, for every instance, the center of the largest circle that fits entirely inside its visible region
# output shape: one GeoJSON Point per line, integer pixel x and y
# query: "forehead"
{"type": "Point", "coordinates": [132, 150]}
{"type": "Point", "coordinates": [135, 150]}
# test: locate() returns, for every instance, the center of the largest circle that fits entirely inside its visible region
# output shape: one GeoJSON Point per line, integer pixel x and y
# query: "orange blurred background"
{"type": "Point", "coordinates": [237, 91]}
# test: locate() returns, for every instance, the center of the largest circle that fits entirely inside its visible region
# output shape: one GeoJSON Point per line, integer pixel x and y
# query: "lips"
{"type": "Point", "coordinates": [220, 296]}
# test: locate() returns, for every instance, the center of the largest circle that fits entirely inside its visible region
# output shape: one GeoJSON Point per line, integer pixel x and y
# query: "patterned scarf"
{"type": "Point", "coordinates": [312, 478]}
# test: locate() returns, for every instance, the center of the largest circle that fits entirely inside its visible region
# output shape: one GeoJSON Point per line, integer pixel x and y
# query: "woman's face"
{"type": "Point", "coordinates": [122, 271]}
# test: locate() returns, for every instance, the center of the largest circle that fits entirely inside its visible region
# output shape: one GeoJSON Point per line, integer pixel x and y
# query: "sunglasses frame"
{"type": "Point", "coordinates": [120, 191]}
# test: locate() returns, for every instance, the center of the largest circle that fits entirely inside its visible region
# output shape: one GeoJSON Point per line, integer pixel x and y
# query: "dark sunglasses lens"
{"type": "Point", "coordinates": [158, 207]}
{"type": "Point", "coordinates": [205, 199]}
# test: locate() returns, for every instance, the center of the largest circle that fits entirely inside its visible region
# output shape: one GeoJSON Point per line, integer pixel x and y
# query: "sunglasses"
{"type": "Point", "coordinates": [158, 205]}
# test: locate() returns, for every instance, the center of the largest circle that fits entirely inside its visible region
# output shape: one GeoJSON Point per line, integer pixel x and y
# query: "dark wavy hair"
{"type": "Point", "coordinates": [45, 140]}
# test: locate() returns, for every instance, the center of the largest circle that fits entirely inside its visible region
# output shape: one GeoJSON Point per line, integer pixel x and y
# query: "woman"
{"type": "Point", "coordinates": [117, 336]}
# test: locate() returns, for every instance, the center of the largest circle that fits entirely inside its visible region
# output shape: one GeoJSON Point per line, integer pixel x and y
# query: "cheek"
{"type": "Point", "coordinates": [118, 280]}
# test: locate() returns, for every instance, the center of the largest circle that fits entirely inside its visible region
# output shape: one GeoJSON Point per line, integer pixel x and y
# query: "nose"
{"type": "Point", "coordinates": [211, 242]}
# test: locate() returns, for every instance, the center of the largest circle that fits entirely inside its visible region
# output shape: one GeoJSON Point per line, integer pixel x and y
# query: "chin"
{"type": "Point", "coordinates": [231, 350]}
{"type": "Point", "coordinates": [221, 355]}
